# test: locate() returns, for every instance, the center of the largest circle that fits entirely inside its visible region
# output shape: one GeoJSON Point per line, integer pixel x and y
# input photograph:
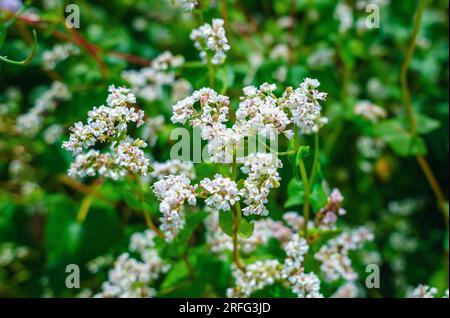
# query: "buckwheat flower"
{"type": "Point", "coordinates": [120, 96]}
{"type": "Point", "coordinates": [343, 13]}
{"type": "Point", "coordinates": [328, 215]}
{"type": "Point", "coordinates": [262, 176]}
{"type": "Point", "coordinates": [31, 122]}
{"type": "Point", "coordinates": [173, 192]}
{"type": "Point", "coordinates": [348, 290]}
{"type": "Point", "coordinates": [445, 294]}
{"type": "Point", "coordinates": [306, 285]}
{"type": "Point", "coordinates": [320, 58]}
{"type": "Point", "coordinates": [256, 277]}
{"type": "Point", "coordinates": [53, 133]}
{"type": "Point", "coordinates": [211, 40]}
{"type": "Point", "coordinates": [280, 52]}
{"type": "Point", "coordinates": [99, 263]}
{"type": "Point", "coordinates": [93, 162]}
{"type": "Point", "coordinates": [376, 89]}
{"type": "Point", "coordinates": [57, 54]}
{"type": "Point", "coordinates": [148, 82]}
{"type": "Point", "coordinates": [423, 291]}
{"type": "Point", "coordinates": [130, 157]}
{"type": "Point", "coordinates": [187, 5]}
{"type": "Point", "coordinates": [105, 123]}
{"type": "Point", "coordinates": [370, 111]}
{"type": "Point", "coordinates": [304, 105]}
{"type": "Point", "coordinates": [335, 262]}
{"type": "Point", "coordinates": [285, 22]}
{"type": "Point", "coordinates": [295, 250]}
{"type": "Point", "coordinates": [370, 147]}
{"type": "Point", "coordinates": [131, 278]}
{"type": "Point", "coordinates": [222, 192]}
{"type": "Point", "coordinates": [173, 167]}
{"type": "Point", "coordinates": [259, 112]}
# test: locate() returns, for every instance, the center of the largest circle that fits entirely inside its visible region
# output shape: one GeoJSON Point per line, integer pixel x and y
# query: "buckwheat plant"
{"type": "Point", "coordinates": [109, 125]}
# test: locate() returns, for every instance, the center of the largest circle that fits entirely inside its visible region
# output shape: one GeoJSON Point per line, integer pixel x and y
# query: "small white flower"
{"type": "Point", "coordinates": [211, 39]}
{"type": "Point", "coordinates": [223, 192]}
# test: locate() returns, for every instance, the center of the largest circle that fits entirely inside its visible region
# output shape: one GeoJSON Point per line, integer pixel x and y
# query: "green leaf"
{"type": "Point", "coordinates": [426, 124]}
{"type": "Point", "coordinates": [295, 193]}
{"type": "Point", "coordinates": [246, 228]}
{"type": "Point", "coordinates": [318, 197]}
{"type": "Point", "coordinates": [302, 152]}
{"type": "Point", "coordinates": [394, 133]}
{"type": "Point", "coordinates": [226, 222]}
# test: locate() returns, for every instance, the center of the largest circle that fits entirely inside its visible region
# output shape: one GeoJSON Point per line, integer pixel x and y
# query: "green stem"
{"type": "Point", "coordinates": [148, 219]}
{"type": "Point", "coordinates": [306, 197]}
{"type": "Point", "coordinates": [211, 75]}
{"type": "Point", "coordinates": [237, 215]}
{"type": "Point", "coordinates": [316, 158]}
{"type": "Point", "coordinates": [407, 104]}
{"type": "Point", "coordinates": [28, 59]}
{"type": "Point", "coordinates": [404, 70]}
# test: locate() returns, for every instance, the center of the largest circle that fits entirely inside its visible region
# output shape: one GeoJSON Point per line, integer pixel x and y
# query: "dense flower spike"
{"type": "Point", "coordinates": [327, 216]}
{"type": "Point", "coordinates": [304, 105]}
{"type": "Point", "coordinates": [256, 276]}
{"type": "Point", "coordinates": [131, 278]}
{"type": "Point", "coordinates": [370, 111]}
{"type": "Point", "coordinates": [109, 124]}
{"type": "Point", "coordinates": [334, 255]}
{"type": "Point", "coordinates": [262, 176]}
{"type": "Point", "coordinates": [148, 83]}
{"type": "Point", "coordinates": [57, 54]}
{"type": "Point", "coordinates": [222, 192]}
{"type": "Point", "coordinates": [211, 41]}
{"type": "Point", "coordinates": [31, 122]}
{"type": "Point", "coordinates": [259, 112]}
{"type": "Point", "coordinates": [172, 192]}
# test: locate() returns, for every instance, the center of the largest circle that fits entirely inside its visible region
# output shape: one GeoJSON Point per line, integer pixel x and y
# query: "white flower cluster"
{"type": "Point", "coordinates": [187, 5]}
{"type": "Point", "coordinates": [109, 124]}
{"type": "Point", "coordinates": [262, 176]}
{"type": "Point", "coordinates": [172, 192]}
{"type": "Point", "coordinates": [423, 291]}
{"type": "Point", "coordinates": [291, 274]}
{"type": "Point", "coordinates": [305, 285]}
{"type": "Point", "coordinates": [344, 14]}
{"type": "Point", "coordinates": [370, 111]}
{"type": "Point", "coordinates": [210, 119]}
{"type": "Point", "coordinates": [222, 192]}
{"type": "Point", "coordinates": [256, 276]}
{"type": "Point", "coordinates": [147, 83]}
{"type": "Point", "coordinates": [173, 167]}
{"type": "Point", "coordinates": [57, 54]}
{"type": "Point", "coordinates": [10, 252]}
{"type": "Point", "coordinates": [304, 104]}
{"type": "Point", "coordinates": [334, 255]}
{"type": "Point", "coordinates": [259, 111]}
{"type": "Point", "coordinates": [131, 278]}
{"type": "Point", "coordinates": [211, 40]}
{"type": "Point", "coordinates": [31, 122]}
{"type": "Point", "coordinates": [328, 215]}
